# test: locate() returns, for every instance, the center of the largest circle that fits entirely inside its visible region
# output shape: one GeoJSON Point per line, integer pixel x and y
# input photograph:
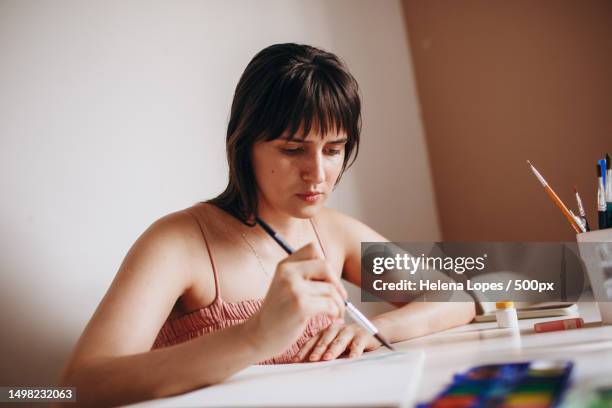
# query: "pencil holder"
{"type": "Point", "coordinates": [597, 259]}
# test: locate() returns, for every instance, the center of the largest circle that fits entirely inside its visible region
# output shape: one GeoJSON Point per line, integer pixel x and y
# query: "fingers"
{"type": "Point", "coordinates": [333, 342]}
{"type": "Point", "coordinates": [321, 270]}
{"type": "Point", "coordinates": [311, 284]}
{"type": "Point", "coordinates": [339, 344]}
{"type": "Point", "coordinates": [328, 336]}
{"type": "Point", "coordinates": [305, 253]}
{"type": "Point", "coordinates": [313, 267]}
{"type": "Point", "coordinates": [326, 289]}
{"type": "Point", "coordinates": [306, 348]}
{"type": "Point", "coordinates": [315, 305]}
{"type": "Point", "coordinates": [358, 345]}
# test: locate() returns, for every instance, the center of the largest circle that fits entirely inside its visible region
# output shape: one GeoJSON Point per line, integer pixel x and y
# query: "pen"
{"type": "Point", "coordinates": [555, 198]}
{"type": "Point", "coordinates": [581, 211]}
{"type": "Point", "coordinates": [352, 310]}
{"type": "Point", "coordinates": [608, 192]}
{"type": "Point", "coordinates": [601, 200]}
{"type": "Point", "coordinates": [602, 163]}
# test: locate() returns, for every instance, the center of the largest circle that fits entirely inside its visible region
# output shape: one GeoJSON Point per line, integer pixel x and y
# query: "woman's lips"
{"type": "Point", "coordinates": [310, 197]}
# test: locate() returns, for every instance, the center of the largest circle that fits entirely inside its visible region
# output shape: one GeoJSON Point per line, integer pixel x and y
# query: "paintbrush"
{"type": "Point", "coordinates": [352, 310]}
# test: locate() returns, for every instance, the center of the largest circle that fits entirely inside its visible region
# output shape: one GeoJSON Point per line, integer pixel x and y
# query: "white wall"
{"type": "Point", "coordinates": [113, 113]}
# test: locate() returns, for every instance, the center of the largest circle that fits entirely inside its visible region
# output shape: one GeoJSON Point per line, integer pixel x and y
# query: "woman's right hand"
{"type": "Point", "coordinates": [303, 286]}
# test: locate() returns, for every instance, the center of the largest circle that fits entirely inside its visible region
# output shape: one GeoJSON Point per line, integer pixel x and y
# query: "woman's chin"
{"type": "Point", "coordinates": [306, 211]}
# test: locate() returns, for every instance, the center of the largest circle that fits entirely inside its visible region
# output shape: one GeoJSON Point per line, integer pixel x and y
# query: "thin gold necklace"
{"type": "Point", "coordinates": [259, 260]}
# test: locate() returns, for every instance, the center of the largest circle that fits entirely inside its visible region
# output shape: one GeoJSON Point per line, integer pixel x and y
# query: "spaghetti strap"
{"type": "Point", "coordinates": [314, 227]}
{"type": "Point", "coordinates": [210, 255]}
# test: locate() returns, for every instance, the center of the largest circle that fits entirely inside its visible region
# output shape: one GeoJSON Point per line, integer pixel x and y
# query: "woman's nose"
{"type": "Point", "coordinates": [313, 170]}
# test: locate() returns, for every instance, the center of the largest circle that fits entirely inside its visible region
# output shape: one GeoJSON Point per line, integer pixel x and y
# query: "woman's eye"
{"type": "Point", "coordinates": [333, 152]}
{"type": "Point", "coordinates": [292, 150]}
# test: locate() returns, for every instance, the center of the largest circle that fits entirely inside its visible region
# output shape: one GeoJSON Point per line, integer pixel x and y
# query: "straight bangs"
{"type": "Point", "coordinates": [314, 101]}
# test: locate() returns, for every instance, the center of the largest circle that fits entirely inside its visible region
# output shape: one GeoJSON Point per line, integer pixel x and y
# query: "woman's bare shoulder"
{"type": "Point", "coordinates": [179, 234]}
{"type": "Point", "coordinates": [179, 227]}
{"type": "Point", "coordinates": [157, 270]}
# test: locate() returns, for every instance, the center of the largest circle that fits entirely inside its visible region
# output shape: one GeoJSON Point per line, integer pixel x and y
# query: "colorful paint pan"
{"type": "Point", "coordinates": [535, 384]}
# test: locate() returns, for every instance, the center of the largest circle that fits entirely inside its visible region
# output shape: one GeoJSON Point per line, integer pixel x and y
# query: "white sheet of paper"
{"type": "Point", "coordinates": [377, 379]}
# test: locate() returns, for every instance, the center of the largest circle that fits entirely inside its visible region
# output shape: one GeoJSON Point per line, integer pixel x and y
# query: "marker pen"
{"type": "Point", "coordinates": [566, 324]}
{"type": "Point", "coordinates": [601, 200]}
{"type": "Point", "coordinates": [602, 164]}
{"type": "Point", "coordinates": [608, 192]}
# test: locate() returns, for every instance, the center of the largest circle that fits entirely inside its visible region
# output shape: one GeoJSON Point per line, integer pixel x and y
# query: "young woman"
{"type": "Point", "coordinates": [205, 292]}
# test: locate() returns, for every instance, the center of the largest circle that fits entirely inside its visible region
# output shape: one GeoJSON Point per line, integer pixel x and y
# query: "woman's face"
{"type": "Point", "coordinates": [295, 177]}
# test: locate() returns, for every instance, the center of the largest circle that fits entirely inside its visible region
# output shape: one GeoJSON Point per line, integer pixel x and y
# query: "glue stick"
{"type": "Point", "coordinates": [506, 315]}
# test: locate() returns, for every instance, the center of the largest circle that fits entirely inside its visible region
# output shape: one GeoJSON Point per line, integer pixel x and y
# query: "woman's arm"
{"type": "Point", "coordinates": [113, 364]}
{"type": "Point", "coordinates": [407, 321]}
{"type": "Point", "coordinates": [119, 380]}
{"type": "Point", "coordinates": [420, 318]}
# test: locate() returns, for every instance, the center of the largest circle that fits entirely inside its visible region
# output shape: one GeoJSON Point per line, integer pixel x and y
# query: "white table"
{"type": "Point", "coordinates": [455, 350]}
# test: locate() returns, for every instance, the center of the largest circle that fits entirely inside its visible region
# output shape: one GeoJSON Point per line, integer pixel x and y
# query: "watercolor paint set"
{"type": "Point", "coordinates": [535, 384]}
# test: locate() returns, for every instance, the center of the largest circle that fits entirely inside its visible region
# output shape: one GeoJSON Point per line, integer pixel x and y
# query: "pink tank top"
{"type": "Point", "coordinates": [220, 314]}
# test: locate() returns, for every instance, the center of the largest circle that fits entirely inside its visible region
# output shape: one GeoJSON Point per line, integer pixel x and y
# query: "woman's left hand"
{"type": "Point", "coordinates": [335, 340]}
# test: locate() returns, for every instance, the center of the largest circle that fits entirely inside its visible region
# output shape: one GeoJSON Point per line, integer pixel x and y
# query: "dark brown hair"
{"type": "Point", "coordinates": [285, 87]}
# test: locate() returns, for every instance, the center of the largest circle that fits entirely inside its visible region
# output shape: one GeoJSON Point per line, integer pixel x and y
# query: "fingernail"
{"type": "Point", "coordinates": [313, 357]}
{"type": "Point", "coordinates": [327, 356]}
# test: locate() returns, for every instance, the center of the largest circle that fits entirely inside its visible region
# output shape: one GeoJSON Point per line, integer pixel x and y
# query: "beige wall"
{"type": "Point", "coordinates": [501, 82]}
{"type": "Point", "coordinates": [113, 113]}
